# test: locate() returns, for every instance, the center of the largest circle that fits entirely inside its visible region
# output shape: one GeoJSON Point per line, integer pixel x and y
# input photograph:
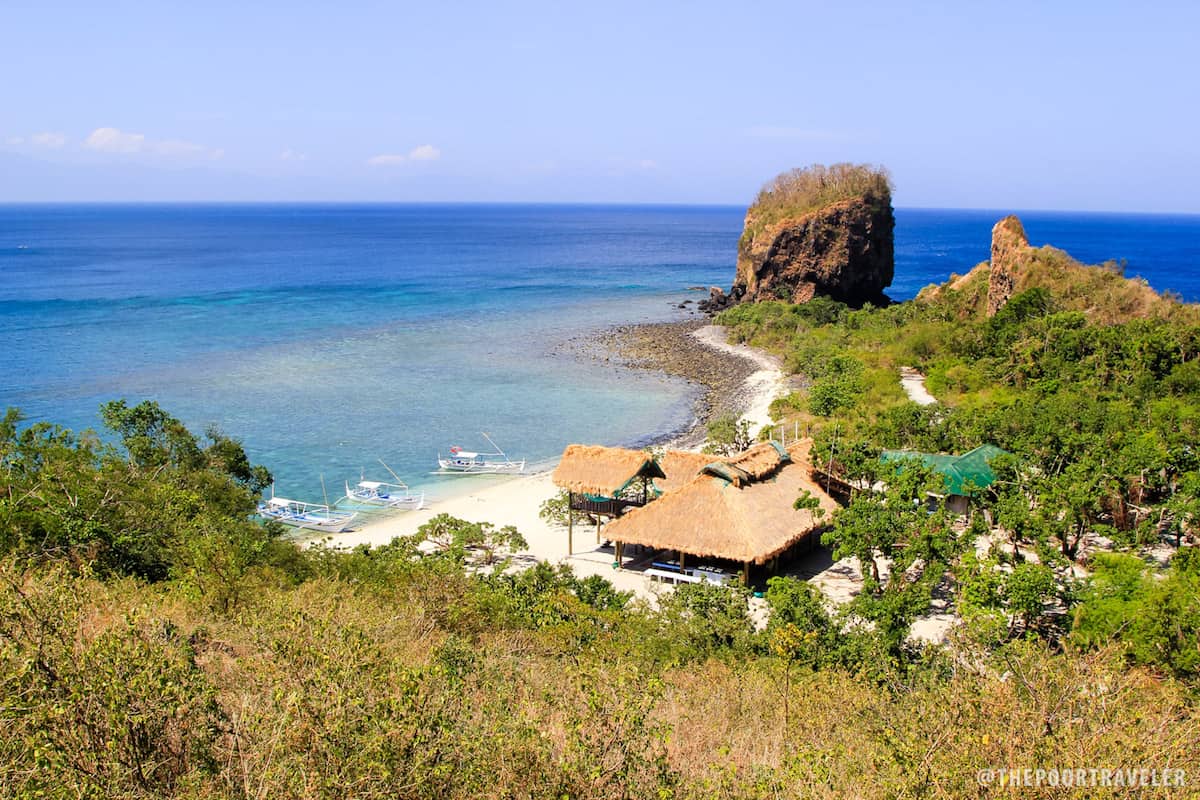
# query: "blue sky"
{"type": "Point", "coordinates": [1064, 105]}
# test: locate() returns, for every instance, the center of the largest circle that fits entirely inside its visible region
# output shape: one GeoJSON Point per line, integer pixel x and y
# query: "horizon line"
{"type": "Point", "coordinates": [553, 203]}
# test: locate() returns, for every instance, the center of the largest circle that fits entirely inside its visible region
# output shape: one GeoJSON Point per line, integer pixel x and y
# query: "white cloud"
{"type": "Point", "coordinates": [425, 152]}
{"type": "Point", "coordinates": [289, 154]}
{"type": "Point", "coordinates": [113, 140]}
{"type": "Point", "coordinates": [49, 140]}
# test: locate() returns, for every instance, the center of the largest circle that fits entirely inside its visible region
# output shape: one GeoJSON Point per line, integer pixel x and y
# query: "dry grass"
{"type": "Point", "coordinates": [331, 691]}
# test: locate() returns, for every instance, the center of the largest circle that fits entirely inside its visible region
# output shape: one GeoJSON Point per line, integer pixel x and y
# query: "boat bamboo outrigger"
{"type": "Point", "coordinates": [387, 495]}
{"type": "Point", "coordinates": [309, 516]}
{"type": "Point", "coordinates": [463, 462]}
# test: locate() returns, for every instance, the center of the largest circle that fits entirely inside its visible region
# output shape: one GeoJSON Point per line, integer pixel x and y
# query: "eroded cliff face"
{"type": "Point", "coordinates": [1010, 249]}
{"type": "Point", "coordinates": [843, 251]}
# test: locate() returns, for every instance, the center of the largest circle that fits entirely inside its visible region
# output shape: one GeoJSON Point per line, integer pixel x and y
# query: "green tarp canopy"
{"type": "Point", "coordinates": [969, 468]}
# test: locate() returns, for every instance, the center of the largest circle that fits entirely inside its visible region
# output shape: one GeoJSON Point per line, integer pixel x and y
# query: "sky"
{"type": "Point", "coordinates": [1022, 105]}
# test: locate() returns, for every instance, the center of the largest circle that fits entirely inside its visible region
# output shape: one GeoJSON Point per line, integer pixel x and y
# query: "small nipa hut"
{"type": "Point", "coordinates": [604, 482]}
{"type": "Point", "coordinates": [965, 475]}
{"type": "Point", "coordinates": [739, 509]}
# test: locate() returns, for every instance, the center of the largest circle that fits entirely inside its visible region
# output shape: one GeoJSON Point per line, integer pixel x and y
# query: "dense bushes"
{"type": "Point", "coordinates": [337, 687]}
{"type": "Point", "coordinates": [154, 642]}
{"type": "Point", "coordinates": [1099, 407]}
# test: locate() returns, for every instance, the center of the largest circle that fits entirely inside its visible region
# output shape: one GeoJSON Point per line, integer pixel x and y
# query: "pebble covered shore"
{"type": "Point", "coordinates": [670, 347]}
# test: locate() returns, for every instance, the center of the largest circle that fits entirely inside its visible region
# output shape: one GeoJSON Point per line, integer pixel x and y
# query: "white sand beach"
{"type": "Point", "coordinates": [517, 500]}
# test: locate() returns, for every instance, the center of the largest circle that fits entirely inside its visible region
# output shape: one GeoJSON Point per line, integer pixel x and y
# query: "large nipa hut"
{"type": "Point", "coordinates": [738, 509]}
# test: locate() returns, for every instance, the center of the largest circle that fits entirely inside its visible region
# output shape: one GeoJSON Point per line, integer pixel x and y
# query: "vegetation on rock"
{"type": "Point", "coordinates": [819, 231]}
{"type": "Point", "coordinates": [797, 192]}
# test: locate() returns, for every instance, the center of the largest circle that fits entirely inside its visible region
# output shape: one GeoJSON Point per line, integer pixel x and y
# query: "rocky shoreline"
{"type": "Point", "coordinates": [671, 348]}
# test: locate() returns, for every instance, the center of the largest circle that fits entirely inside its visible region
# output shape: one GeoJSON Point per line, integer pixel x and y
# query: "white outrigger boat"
{"type": "Point", "coordinates": [310, 516]}
{"type": "Point", "coordinates": [463, 462]}
{"type": "Point", "coordinates": [387, 495]}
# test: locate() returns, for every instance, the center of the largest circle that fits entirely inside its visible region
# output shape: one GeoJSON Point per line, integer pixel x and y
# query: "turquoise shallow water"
{"type": "Point", "coordinates": [327, 337]}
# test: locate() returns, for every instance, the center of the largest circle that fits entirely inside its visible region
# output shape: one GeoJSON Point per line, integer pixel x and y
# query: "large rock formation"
{"type": "Point", "coordinates": [1010, 249]}
{"type": "Point", "coordinates": [843, 251]}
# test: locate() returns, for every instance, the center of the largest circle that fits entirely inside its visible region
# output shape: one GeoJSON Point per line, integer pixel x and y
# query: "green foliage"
{"type": "Point", "coordinates": [161, 504]}
{"type": "Point", "coordinates": [1157, 620]}
{"type": "Point", "coordinates": [1027, 590]}
{"type": "Point", "coordinates": [121, 711]}
{"type": "Point", "coordinates": [554, 510]}
{"type": "Point", "coordinates": [837, 386]}
{"type": "Point", "coordinates": [728, 435]}
{"type": "Point", "coordinates": [459, 540]}
{"type": "Point", "coordinates": [706, 620]}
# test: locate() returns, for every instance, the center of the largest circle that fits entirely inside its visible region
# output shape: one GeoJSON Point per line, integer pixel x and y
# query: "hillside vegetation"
{"type": "Point", "coordinates": [1092, 384]}
{"type": "Point", "coordinates": [155, 643]}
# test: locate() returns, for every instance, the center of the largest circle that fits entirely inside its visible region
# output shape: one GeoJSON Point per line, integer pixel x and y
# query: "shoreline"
{"type": "Point", "coordinates": [728, 378]}
{"type": "Point", "coordinates": [734, 378]}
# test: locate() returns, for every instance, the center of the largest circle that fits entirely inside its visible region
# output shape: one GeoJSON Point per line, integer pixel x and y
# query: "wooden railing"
{"type": "Point", "coordinates": [608, 508]}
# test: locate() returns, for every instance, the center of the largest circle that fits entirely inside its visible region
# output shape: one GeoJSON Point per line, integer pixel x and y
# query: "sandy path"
{"type": "Point", "coordinates": [913, 383]}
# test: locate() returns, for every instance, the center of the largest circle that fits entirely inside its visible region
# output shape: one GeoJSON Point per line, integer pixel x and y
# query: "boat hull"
{"type": "Point", "coordinates": [462, 467]}
{"type": "Point", "coordinates": [401, 503]}
{"type": "Point", "coordinates": [337, 523]}
{"type": "Point", "coordinates": [396, 497]}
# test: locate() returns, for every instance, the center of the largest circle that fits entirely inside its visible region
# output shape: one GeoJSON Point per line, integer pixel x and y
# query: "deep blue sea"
{"type": "Point", "coordinates": [328, 337]}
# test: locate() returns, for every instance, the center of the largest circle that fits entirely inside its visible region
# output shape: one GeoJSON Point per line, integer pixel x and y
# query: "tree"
{"type": "Point", "coordinates": [457, 539]}
{"type": "Point", "coordinates": [728, 435]}
{"type": "Point", "coordinates": [161, 504]}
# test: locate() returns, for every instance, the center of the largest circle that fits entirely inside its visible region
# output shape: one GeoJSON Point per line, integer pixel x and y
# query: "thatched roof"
{"type": "Point", "coordinates": [752, 520]}
{"type": "Point", "coordinates": [602, 471]}
{"type": "Point", "coordinates": [680, 467]}
{"type": "Point", "coordinates": [750, 465]}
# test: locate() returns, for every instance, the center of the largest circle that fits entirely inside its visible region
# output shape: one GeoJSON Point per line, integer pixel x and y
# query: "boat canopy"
{"type": "Point", "coordinates": [464, 454]}
{"type": "Point", "coordinates": [279, 502]}
{"type": "Point", "coordinates": [369, 484]}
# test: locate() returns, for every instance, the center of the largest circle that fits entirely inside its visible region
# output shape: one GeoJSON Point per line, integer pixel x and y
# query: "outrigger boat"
{"type": "Point", "coordinates": [388, 495]}
{"type": "Point", "coordinates": [310, 516]}
{"type": "Point", "coordinates": [464, 462]}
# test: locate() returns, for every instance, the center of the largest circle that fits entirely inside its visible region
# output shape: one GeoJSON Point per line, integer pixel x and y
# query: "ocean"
{"type": "Point", "coordinates": [328, 338]}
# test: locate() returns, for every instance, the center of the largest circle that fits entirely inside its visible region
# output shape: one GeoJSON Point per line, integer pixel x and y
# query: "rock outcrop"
{"type": "Point", "coordinates": [843, 251]}
{"type": "Point", "coordinates": [1010, 249]}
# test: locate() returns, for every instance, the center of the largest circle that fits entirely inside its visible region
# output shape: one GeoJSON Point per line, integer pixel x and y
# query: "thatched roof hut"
{"type": "Point", "coordinates": [602, 471]}
{"type": "Point", "coordinates": [680, 467]}
{"type": "Point", "coordinates": [739, 509]}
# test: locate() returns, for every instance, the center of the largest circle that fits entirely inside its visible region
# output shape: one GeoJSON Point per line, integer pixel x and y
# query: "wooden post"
{"type": "Point", "coordinates": [597, 529]}
{"type": "Point", "coordinates": [746, 574]}
{"type": "Point", "coordinates": [682, 562]}
{"type": "Point", "coordinates": [570, 525]}
{"type": "Point", "coordinates": [620, 550]}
